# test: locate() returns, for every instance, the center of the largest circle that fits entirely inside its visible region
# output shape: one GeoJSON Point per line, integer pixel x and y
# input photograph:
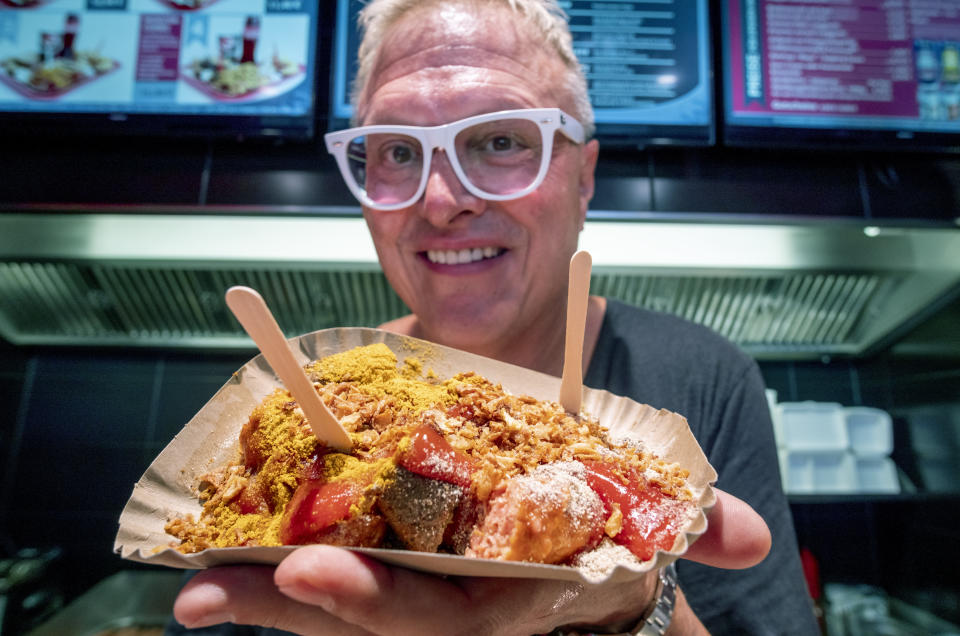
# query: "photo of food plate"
{"type": "Point", "coordinates": [405, 487]}
{"type": "Point", "coordinates": [36, 78]}
{"type": "Point", "coordinates": [68, 53]}
{"type": "Point", "coordinates": [242, 58]}
{"type": "Point", "coordinates": [242, 81]}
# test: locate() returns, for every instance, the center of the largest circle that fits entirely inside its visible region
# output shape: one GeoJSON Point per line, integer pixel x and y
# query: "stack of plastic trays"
{"type": "Point", "coordinates": [814, 448]}
{"type": "Point", "coordinates": [870, 432]}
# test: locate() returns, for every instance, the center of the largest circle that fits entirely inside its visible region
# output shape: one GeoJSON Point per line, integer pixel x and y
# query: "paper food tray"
{"type": "Point", "coordinates": [209, 440]}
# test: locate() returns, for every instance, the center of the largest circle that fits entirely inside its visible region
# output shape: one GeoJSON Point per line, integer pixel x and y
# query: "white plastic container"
{"type": "Point", "coordinates": [811, 426]}
{"type": "Point", "coordinates": [877, 475]}
{"type": "Point", "coordinates": [818, 472]}
{"type": "Point", "coordinates": [774, 414]}
{"type": "Point", "coordinates": [869, 430]}
{"type": "Point", "coordinates": [771, 399]}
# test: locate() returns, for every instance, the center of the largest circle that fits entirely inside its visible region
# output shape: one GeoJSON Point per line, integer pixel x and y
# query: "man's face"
{"type": "Point", "coordinates": [477, 273]}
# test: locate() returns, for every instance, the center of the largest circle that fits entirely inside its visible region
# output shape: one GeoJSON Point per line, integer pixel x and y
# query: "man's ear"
{"type": "Point", "coordinates": [588, 168]}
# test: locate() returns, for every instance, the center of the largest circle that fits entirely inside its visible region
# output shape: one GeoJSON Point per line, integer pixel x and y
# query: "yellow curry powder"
{"type": "Point", "coordinates": [341, 467]}
{"type": "Point", "coordinates": [373, 370]}
{"type": "Point", "coordinates": [240, 529]}
{"type": "Point", "coordinates": [282, 430]}
{"type": "Point", "coordinates": [284, 439]}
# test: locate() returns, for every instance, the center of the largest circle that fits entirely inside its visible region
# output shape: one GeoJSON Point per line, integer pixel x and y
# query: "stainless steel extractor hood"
{"type": "Point", "coordinates": [780, 290]}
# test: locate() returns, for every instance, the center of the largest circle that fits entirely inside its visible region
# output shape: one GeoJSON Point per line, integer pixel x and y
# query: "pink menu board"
{"type": "Point", "coordinates": [843, 64]}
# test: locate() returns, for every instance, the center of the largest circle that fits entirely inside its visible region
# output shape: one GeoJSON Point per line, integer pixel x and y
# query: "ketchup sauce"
{"type": "Point", "coordinates": [429, 455]}
{"type": "Point", "coordinates": [651, 519]}
{"type": "Point", "coordinates": [315, 510]}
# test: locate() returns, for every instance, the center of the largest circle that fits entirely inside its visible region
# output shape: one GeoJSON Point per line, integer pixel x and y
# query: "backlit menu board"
{"type": "Point", "coordinates": [647, 64]}
{"type": "Point", "coordinates": [250, 59]}
{"type": "Point", "coordinates": [857, 66]}
{"type": "Point", "coordinates": [648, 67]}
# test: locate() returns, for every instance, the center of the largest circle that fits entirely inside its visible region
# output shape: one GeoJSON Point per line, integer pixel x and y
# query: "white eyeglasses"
{"type": "Point", "coordinates": [498, 156]}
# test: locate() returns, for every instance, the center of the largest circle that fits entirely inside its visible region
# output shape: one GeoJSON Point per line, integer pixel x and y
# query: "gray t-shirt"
{"type": "Point", "coordinates": [673, 364]}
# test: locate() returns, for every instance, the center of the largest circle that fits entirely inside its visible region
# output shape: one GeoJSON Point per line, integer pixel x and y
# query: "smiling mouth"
{"type": "Point", "coordinates": [462, 257]}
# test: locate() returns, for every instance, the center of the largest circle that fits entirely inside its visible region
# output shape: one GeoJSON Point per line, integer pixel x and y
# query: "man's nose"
{"type": "Point", "coordinates": [445, 197]}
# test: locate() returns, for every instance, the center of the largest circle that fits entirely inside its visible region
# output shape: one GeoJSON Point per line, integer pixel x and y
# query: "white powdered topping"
{"type": "Point", "coordinates": [623, 439]}
{"type": "Point", "coordinates": [445, 465]}
{"type": "Point", "coordinates": [559, 478]}
{"type": "Point", "coordinates": [442, 464]}
{"type": "Point", "coordinates": [599, 563]}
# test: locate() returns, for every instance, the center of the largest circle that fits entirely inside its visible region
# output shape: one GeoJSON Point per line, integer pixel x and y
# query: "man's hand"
{"type": "Point", "coordinates": [331, 591]}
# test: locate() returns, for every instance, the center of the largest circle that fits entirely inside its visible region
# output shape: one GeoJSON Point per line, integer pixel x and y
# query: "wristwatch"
{"type": "Point", "coordinates": [655, 620]}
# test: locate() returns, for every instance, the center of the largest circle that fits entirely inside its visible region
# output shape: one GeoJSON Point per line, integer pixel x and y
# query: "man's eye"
{"type": "Point", "coordinates": [501, 144]}
{"type": "Point", "coordinates": [400, 154]}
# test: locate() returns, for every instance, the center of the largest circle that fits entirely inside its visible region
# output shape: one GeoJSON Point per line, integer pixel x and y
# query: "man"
{"type": "Point", "coordinates": [474, 226]}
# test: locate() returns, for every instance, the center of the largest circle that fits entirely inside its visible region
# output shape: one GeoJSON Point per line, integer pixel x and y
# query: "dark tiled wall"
{"type": "Point", "coordinates": [13, 363]}
{"type": "Point", "coordinates": [80, 428]}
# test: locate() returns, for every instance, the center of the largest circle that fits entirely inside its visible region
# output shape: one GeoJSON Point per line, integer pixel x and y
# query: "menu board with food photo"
{"type": "Point", "coordinates": [68, 56]}
{"type": "Point", "coordinates": [223, 58]}
{"type": "Point", "coordinates": [242, 58]}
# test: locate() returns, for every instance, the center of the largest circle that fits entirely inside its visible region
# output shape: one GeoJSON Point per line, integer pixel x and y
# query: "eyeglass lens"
{"type": "Point", "coordinates": [498, 157]}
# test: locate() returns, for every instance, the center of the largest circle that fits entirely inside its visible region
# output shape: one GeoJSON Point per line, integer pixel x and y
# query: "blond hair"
{"type": "Point", "coordinates": [545, 16]}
